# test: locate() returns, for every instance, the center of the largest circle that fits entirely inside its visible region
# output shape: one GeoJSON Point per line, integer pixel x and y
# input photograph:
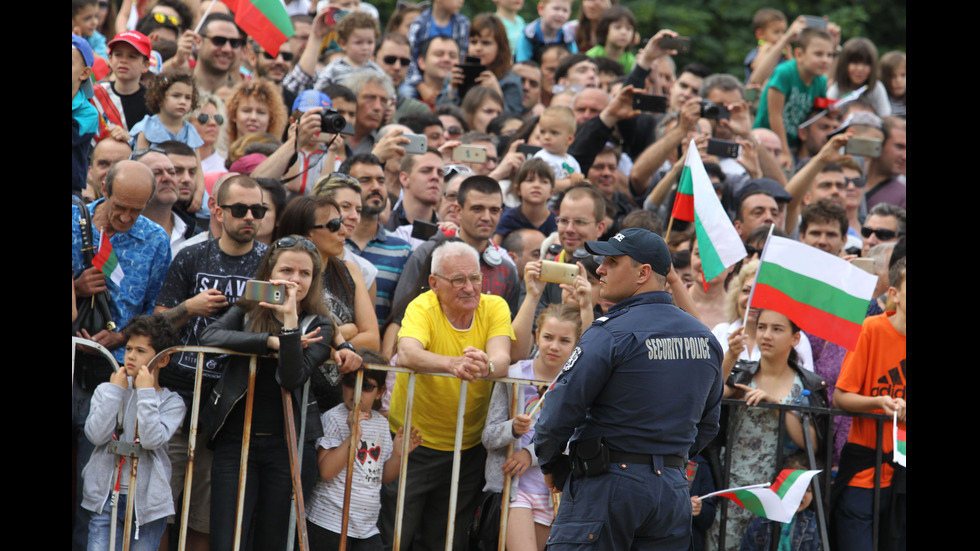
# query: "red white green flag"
{"type": "Point", "coordinates": [779, 501]}
{"type": "Point", "coordinates": [898, 437]}
{"type": "Point", "coordinates": [718, 242]}
{"type": "Point", "coordinates": [264, 20]}
{"type": "Point", "coordinates": [105, 260]}
{"type": "Point", "coordinates": [822, 293]}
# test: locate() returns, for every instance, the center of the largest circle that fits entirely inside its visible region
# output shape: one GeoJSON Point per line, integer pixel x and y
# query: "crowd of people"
{"type": "Point", "coordinates": [409, 186]}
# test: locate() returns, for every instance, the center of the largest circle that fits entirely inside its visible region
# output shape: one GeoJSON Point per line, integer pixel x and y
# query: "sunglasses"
{"type": "Point", "coordinates": [881, 233]}
{"type": "Point", "coordinates": [392, 59]}
{"type": "Point", "coordinates": [203, 118]}
{"type": "Point", "coordinates": [554, 249]}
{"type": "Point", "coordinates": [454, 131]}
{"type": "Point", "coordinates": [164, 19]}
{"type": "Point", "coordinates": [858, 182]}
{"type": "Point", "coordinates": [220, 41]}
{"type": "Point", "coordinates": [238, 210]}
{"type": "Point", "coordinates": [286, 56]}
{"type": "Point", "coordinates": [365, 386]}
{"type": "Point", "coordinates": [332, 226]}
{"type": "Point", "coordinates": [289, 242]}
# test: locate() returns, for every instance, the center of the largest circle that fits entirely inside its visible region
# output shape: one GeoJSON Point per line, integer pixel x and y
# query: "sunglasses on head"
{"type": "Point", "coordinates": [164, 18]}
{"type": "Point", "coordinates": [286, 56]}
{"type": "Point", "coordinates": [332, 226]}
{"type": "Point", "coordinates": [203, 118]}
{"type": "Point", "coordinates": [238, 210]}
{"type": "Point", "coordinates": [220, 41]}
{"type": "Point", "coordinates": [290, 241]}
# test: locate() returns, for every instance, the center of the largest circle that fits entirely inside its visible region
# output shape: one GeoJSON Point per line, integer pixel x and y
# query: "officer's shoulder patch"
{"type": "Point", "coordinates": [573, 358]}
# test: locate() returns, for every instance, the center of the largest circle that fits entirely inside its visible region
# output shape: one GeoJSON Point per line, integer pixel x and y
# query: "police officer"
{"type": "Point", "coordinates": [638, 396]}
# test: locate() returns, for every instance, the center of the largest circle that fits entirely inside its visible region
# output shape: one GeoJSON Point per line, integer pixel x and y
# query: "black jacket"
{"type": "Point", "coordinates": [293, 368]}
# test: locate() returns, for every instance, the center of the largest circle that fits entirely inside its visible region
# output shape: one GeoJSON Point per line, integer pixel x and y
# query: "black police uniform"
{"type": "Point", "coordinates": [647, 379]}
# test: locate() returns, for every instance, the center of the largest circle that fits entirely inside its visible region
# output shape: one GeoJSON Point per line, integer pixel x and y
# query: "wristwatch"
{"type": "Point", "coordinates": [344, 345]}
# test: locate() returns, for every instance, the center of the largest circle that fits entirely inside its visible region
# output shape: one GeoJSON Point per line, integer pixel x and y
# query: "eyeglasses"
{"type": "Point", "coordinates": [238, 210]}
{"type": "Point", "coordinates": [220, 41]}
{"type": "Point", "coordinates": [578, 222]}
{"type": "Point", "coordinates": [164, 18]}
{"type": "Point", "coordinates": [392, 59]}
{"type": "Point", "coordinates": [454, 131]}
{"type": "Point", "coordinates": [333, 226]}
{"type": "Point", "coordinates": [290, 241]}
{"type": "Point", "coordinates": [365, 386]}
{"type": "Point", "coordinates": [751, 251]}
{"type": "Point", "coordinates": [458, 282]}
{"type": "Point", "coordinates": [138, 154]}
{"type": "Point", "coordinates": [858, 182]}
{"type": "Point", "coordinates": [203, 118]}
{"type": "Point", "coordinates": [881, 233]}
{"type": "Point", "coordinates": [449, 171]}
{"type": "Point", "coordinates": [286, 56]}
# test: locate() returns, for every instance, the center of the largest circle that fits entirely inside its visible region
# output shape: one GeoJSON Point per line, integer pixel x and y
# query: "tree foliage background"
{"type": "Point", "coordinates": [721, 30]}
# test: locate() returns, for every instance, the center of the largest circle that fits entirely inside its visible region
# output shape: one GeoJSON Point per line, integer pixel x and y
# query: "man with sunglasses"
{"type": "Point", "coordinates": [270, 68]}
{"type": "Point", "coordinates": [219, 52]}
{"type": "Point", "coordinates": [885, 224]}
{"type": "Point", "coordinates": [204, 280]}
{"type": "Point", "coordinates": [392, 55]}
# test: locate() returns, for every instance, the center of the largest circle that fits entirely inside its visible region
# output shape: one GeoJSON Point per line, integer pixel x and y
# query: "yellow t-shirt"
{"type": "Point", "coordinates": [437, 398]}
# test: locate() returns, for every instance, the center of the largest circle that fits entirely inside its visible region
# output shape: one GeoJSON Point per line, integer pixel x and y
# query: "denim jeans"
{"type": "Point", "coordinates": [99, 529]}
{"type": "Point", "coordinates": [268, 491]}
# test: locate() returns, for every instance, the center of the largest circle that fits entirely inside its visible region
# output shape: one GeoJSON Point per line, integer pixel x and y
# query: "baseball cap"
{"type": "Point", "coordinates": [135, 39]}
{"type": "Point", "coordinates": [309, 99]}
{"type": "Point", "coordinates": [80, 44]}
{"type": "Point", "coordinates": [641, 245]}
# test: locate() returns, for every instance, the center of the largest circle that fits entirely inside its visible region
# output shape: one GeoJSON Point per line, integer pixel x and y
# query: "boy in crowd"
{"type": "Point", "coordinates": [769, 25]}
{"type": "Point", "coordinates": [84, 20]}
{"type": "Point", "coordinates": [557, 129]}
{"type": "Point", "coordinates": [152, 411]}
{"type": "Point", "coordinates": [356, 34]}
{"type": "Point", "coordinates": [84, 117]}
{"type": "Point", "coordinates": [442, 19]}
{"type": "Point", "coordinates": [513, 22]}
{"type": "Point", "coordinates": [547, 29]}
{"type": "Point", "coordinates": [122, 101]}
{"type": "Point", "coordinates": [794, 85]}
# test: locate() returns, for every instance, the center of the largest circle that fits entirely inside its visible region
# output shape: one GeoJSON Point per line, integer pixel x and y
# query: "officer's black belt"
{"type": "Point", "coordinates": [646, 459]}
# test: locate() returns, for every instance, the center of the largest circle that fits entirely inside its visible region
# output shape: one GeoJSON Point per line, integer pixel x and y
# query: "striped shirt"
{"type": "Point", "coordinates": [389, 254]}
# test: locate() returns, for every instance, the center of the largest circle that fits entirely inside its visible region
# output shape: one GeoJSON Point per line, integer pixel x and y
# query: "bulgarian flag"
{"type": "Point", "coordinates": [825, 295]}
{"type": "Point", "coordinates": [264, 20]}
{"type": "Point", "coordinates": [779, 501]}
{"type": "Point", "coordinates": [898, 439]}
{"type": "Point", "coordinates": [696, 201]}
{"type": "Point", "coordinates": [107, 262]}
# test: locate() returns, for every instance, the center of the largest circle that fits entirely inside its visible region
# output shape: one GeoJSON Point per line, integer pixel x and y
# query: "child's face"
{"type": "Point", "coordinates": [79, 71]}
{"type": "Point", "coordinates": [370, 391]}
{"type": "Point", "coordinates": [807, 498]}
{"type": "Point", "coordinates": [771, 31]}
{"type": "Point", "coordinates": [816, 58]}
{"type": "Point", "coordinates": [898, 81]}
{"type": "Point", "coordinates": [620, 34]}
{"type": "Point", "coordinates": [592, 9]}
{"type": "Point", "coordinates": [484, 47]}
{"type": "Point", "coordinates": [510, 5]}
{"type": "Point", "coordinates": [535, 189]}
{"type": "Point", "coordinates": [452, 6]}
{"type": "Point", "coordinates": [486, 113]}
{"type": "Point", "coordinates": [127, 63]}
{"type": "Point", "coordinates": [139, 352]}
{"type": "Point", "coordinates": [555, 137]}
{"type": "Point", "coordinates": [86, 20]}
{"type": "Point", "coordinates": [177, 102]}
{"type": "Point", "coordinates": [556, 339]}
{"type": "Point", "coordinates": [898, 297]}
{"type": "Point", "coordinates": [554, 14]}
{"type": "Point", "coordinates": [858, 72]}
{"type": "Point", "coordinates": [360, 46]}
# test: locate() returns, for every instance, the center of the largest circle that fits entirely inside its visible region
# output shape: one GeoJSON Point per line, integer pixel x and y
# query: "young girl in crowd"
{"type": "Point", "coordinates": [170, 96]}
{"type": "Point", "coordinates": [531, 509]}
{"type": "Point", "coordinates": [534, 184]}
{"type": "Point", "coordinates": [488, 41]}
{"type": "Point", "coordinates": [584, 27]}
{"type": "Point", "coordinates": [857, 66]}
{"type": "Point", "coordinates": [376, 460]}
{"type": "Point", "coordinates": [614, 34]}
{"type": "Point", "coordinates": [893, 78]}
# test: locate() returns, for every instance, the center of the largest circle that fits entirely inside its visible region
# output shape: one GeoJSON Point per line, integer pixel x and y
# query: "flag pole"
{"type": "Point", "coordinates": [745, 320]}
{"type": "Point", "coordinates": [197, 30]}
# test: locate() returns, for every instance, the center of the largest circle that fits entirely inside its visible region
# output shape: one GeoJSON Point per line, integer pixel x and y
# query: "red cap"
{"type": "Point", "coordinates": [135, 39]}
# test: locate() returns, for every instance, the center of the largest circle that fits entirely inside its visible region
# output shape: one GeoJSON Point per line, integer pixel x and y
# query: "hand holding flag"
{"type": "Point", "coordinates": [779, 501]}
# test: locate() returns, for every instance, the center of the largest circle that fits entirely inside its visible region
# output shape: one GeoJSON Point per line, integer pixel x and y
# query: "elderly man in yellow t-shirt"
{"type": "Point", "coordinates": [452, 329]}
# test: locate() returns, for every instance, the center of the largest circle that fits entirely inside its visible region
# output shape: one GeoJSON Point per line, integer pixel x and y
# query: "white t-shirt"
{"type": "Point", "coordinates": [556, 162]}
{"type": "Point", "coordinates": [326, 504]}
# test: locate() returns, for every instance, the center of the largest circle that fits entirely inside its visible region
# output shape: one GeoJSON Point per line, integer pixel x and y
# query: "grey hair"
{"type": "Point", "coordinates": [450, 249]}
{"type": "Point", "coordinates": [359, 78]}
{"type": "Point", "coordinates": [725, 82]}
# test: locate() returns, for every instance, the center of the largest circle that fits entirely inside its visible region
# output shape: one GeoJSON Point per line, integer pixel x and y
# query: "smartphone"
{"type": "Point", "coordinates": [263, 291]}
{"type": "Point", "coordinates": [681, 43]}
{"type": "Point", "coordinates": [558, 272]}
{"type": "Point", "coordinates": [417, 144]}
{"type": "Point", "coordinates": [650, 103]}
{"type": "Point", "coordinates": [334, 15]}
{"type": "Point", "coordinates": [470, 154]}
{"type": "Point", "coordinates": [865, 147]}
{"type": "Point", "coordinates": [472, 68]}
{"type": "Point", "coordinates": [815, 22]}
{"type": "Point", "coordinates": [751, 95]}
{"type": "Point", "coordinates": [423, 230]}
{"type": "Point", "coordinates": [528, 150]}
{"type": "Point", "coordinates": [723, 148]}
